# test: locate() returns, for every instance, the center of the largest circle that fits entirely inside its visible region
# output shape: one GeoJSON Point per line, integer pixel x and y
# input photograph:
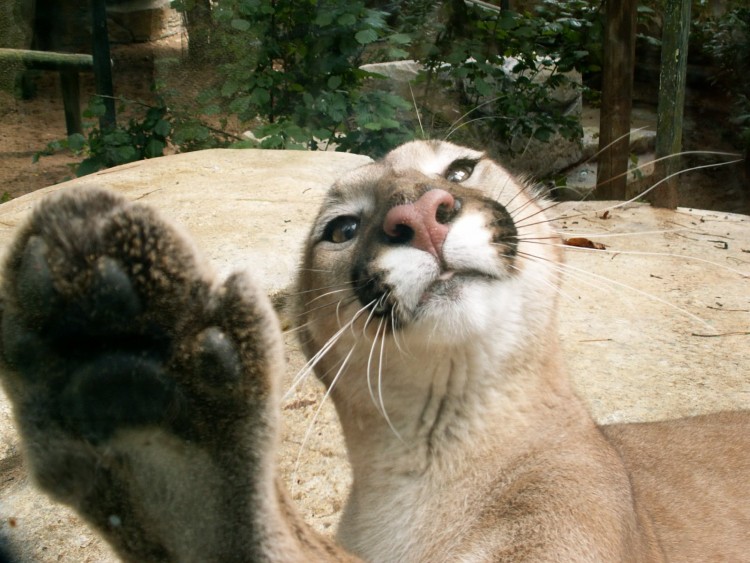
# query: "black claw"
{"type": "Point", "coordinates": [216, 358]}
{"type": "Point", "coordinates": [23, 349]}
{"type": "Point", "coordinates": [113, 299]}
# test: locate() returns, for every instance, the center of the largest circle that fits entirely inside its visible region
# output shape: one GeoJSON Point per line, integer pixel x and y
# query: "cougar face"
{"type": "Point", "coordinates": [426, 302]}
{"type": "Point", "coordinates": [432, 243]}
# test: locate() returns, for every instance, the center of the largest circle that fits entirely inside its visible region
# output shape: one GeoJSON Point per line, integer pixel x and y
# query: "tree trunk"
{"type": "Point", "coordinates": [199, 24]}
{"type": "Point", "coordinates": [674, 52]}
{"type": "Point", "coordinates": [102, 62]}
{"type": "Point", "coordinates": [617, 94]}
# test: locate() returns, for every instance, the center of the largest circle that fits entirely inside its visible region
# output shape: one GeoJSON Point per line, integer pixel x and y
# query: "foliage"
{"type": "Point", "coordinates": [726, 39]}
{"type": "Point", "coordinates": [509, 65]}
{"type": "Point", "coordinates": [719, 37]}
{"type": "Point", "coordinates": [140, 139]}
{"type": "Point", "coordinates": [290, 70]}
{"type": "Point", "coordinates": [295, 71]}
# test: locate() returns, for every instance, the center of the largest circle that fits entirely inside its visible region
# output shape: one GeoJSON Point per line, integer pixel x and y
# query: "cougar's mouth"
{"type": "Point", "coordinates": [449, 283]}
{"type": "Point", "coordinates": [446, 289]}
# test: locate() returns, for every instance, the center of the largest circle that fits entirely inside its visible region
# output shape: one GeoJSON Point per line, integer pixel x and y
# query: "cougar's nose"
{"type": "Point", "coordinates": [418, 223]}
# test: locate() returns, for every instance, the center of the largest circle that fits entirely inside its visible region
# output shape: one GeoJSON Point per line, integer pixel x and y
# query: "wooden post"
{"type": "Point", "coordinates": [102, 62]}
{"type": "Point", "coordinates": [71, 93]}
{"type": "Point", "coordinates": [617, 94]}
{"type": "Point", "coordinates": [674, 52]}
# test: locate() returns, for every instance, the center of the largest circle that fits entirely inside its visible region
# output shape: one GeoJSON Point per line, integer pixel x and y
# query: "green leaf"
{"type": "Point", "coordinates": [543, 133]}
{"type": "Point", "coordinates": [346, 20]}
{"type": "Point", "coordinates": [212, 109]}
{"type": "Point", "coordinates": [260, 96]}
{"type": "Point", "coordinates": [189, 132]}
{"type": "Point", "coordinates": [508, 20]}
{"type": "Point", "coordinates": [125, 154]}
{"type": "Point", "coordinates": [366, 36]}
{"type": "Point", "coordinates": [397, 54]}
{"type": "Point", "coordinates": [334, 82]}
{"type": "Point", "coordinates": [229, 87]}
{"type": "Point", "coordinates": [154, 148]}
{"type": "Point", "coordinates": [162, 128]}
{"type": "Point", "coordinates": [482, 87]}
{"type": "Point", "coordinates": [400, 38]}
{"type": "Point", "coordinates": [240, 25]}
{"type": "Point", "coordinates": [239, 105]}
{"type": "Point", "coordinates": [324, 19]}
{"type": "Point", "coordinates": [89, 166]}
{"type": "Point", "coordinates": [390, 123]}
{"type": "Point", "coordinates": [76, 142]}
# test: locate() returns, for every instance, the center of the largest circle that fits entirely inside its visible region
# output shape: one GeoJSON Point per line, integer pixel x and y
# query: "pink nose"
{"type": "Point", "coordinates": [419, 221]}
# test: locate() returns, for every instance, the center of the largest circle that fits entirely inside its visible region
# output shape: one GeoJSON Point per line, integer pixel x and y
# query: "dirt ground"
{"type": "Point", "coordinates": [27, 126]}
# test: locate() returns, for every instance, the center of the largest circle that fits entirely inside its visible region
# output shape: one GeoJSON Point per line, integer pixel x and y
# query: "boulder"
{"type": "Point", "coordinates": [134, 21]}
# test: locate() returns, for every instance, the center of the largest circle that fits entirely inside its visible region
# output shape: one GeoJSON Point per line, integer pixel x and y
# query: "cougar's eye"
{"type": "Point", "coordinates": [341, 229]}
{"type": "Point", "coordinates": [460, 170]}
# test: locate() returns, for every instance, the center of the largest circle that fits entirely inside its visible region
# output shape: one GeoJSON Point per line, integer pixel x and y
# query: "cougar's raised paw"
{"type": "Point", "coordinates": [133, 373]}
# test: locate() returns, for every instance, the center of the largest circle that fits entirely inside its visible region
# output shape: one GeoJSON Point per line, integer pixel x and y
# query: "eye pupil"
{"type": "Point", "coordinates": [341, 229]}
{"type": "Point", "coordinates": [461, 170]}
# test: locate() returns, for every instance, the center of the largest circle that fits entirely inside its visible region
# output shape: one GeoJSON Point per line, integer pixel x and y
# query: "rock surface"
{"type": "Point", "coordinates": [635, 317]}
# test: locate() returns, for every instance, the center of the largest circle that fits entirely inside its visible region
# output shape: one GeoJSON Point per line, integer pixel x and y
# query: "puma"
{"type": "Point", "coordinates": [146, 389]}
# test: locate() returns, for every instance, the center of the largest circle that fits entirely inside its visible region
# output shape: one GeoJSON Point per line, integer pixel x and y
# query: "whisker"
{"type": "Point", "coordinates": [367, 322]}
{"type": "Point", "coordinates": [583, 277]}
{"type": "Point", "coordinates": [314, 270]}
{"type": "Point", "coordinates": [295, 328]}
{"type": "Point", "coordinates": [639, 196]}
{"type": "Point", "coordinates": [346, 301]}
{"type": "Point", "coordinates": [313, 361]}
{"type": "Point", "coordinates": [369, 364]}
{"type": "Point", "coordinates": [692, 169]}
{"type": "Point", "coordinates": [310, 426]}
{"type": "Point", "coordinates": [394, 332]}
{"type": "Point", "coordinates": [456, 127]}
{"type": "Point", "coordinates": [359, 314]}
{"type": "Point", "coordinates": [608, 234]}
{"type": "Point", "coordinates": [534, 199]}
{"type": "Point", "coordinates": [614, 142]}
{"type": "Point", "coordinates": [416, 111]}
{"type": "Point", "coordinates": [380, 390]}
{"type": "Point", "coordinates": [549, 284]}
{"type": "Point", "coordinates": [645, 253]}
{"type": "Point", "coordinates": [564, 268]}
{"type": "Point", "coordinates": [303, 292]}
{"type": "Point", "coordinates": [676, 155]}
{"type": "Point", "coordinates": [457, 123]}
{"type": "Point", "coordinates": [635, 198]}
{"type": "Point", "coordinates": [326, 294]}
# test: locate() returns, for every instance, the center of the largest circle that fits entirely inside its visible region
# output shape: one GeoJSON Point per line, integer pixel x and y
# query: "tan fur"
{"type": "Point", "coordinates": [466, 440]}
